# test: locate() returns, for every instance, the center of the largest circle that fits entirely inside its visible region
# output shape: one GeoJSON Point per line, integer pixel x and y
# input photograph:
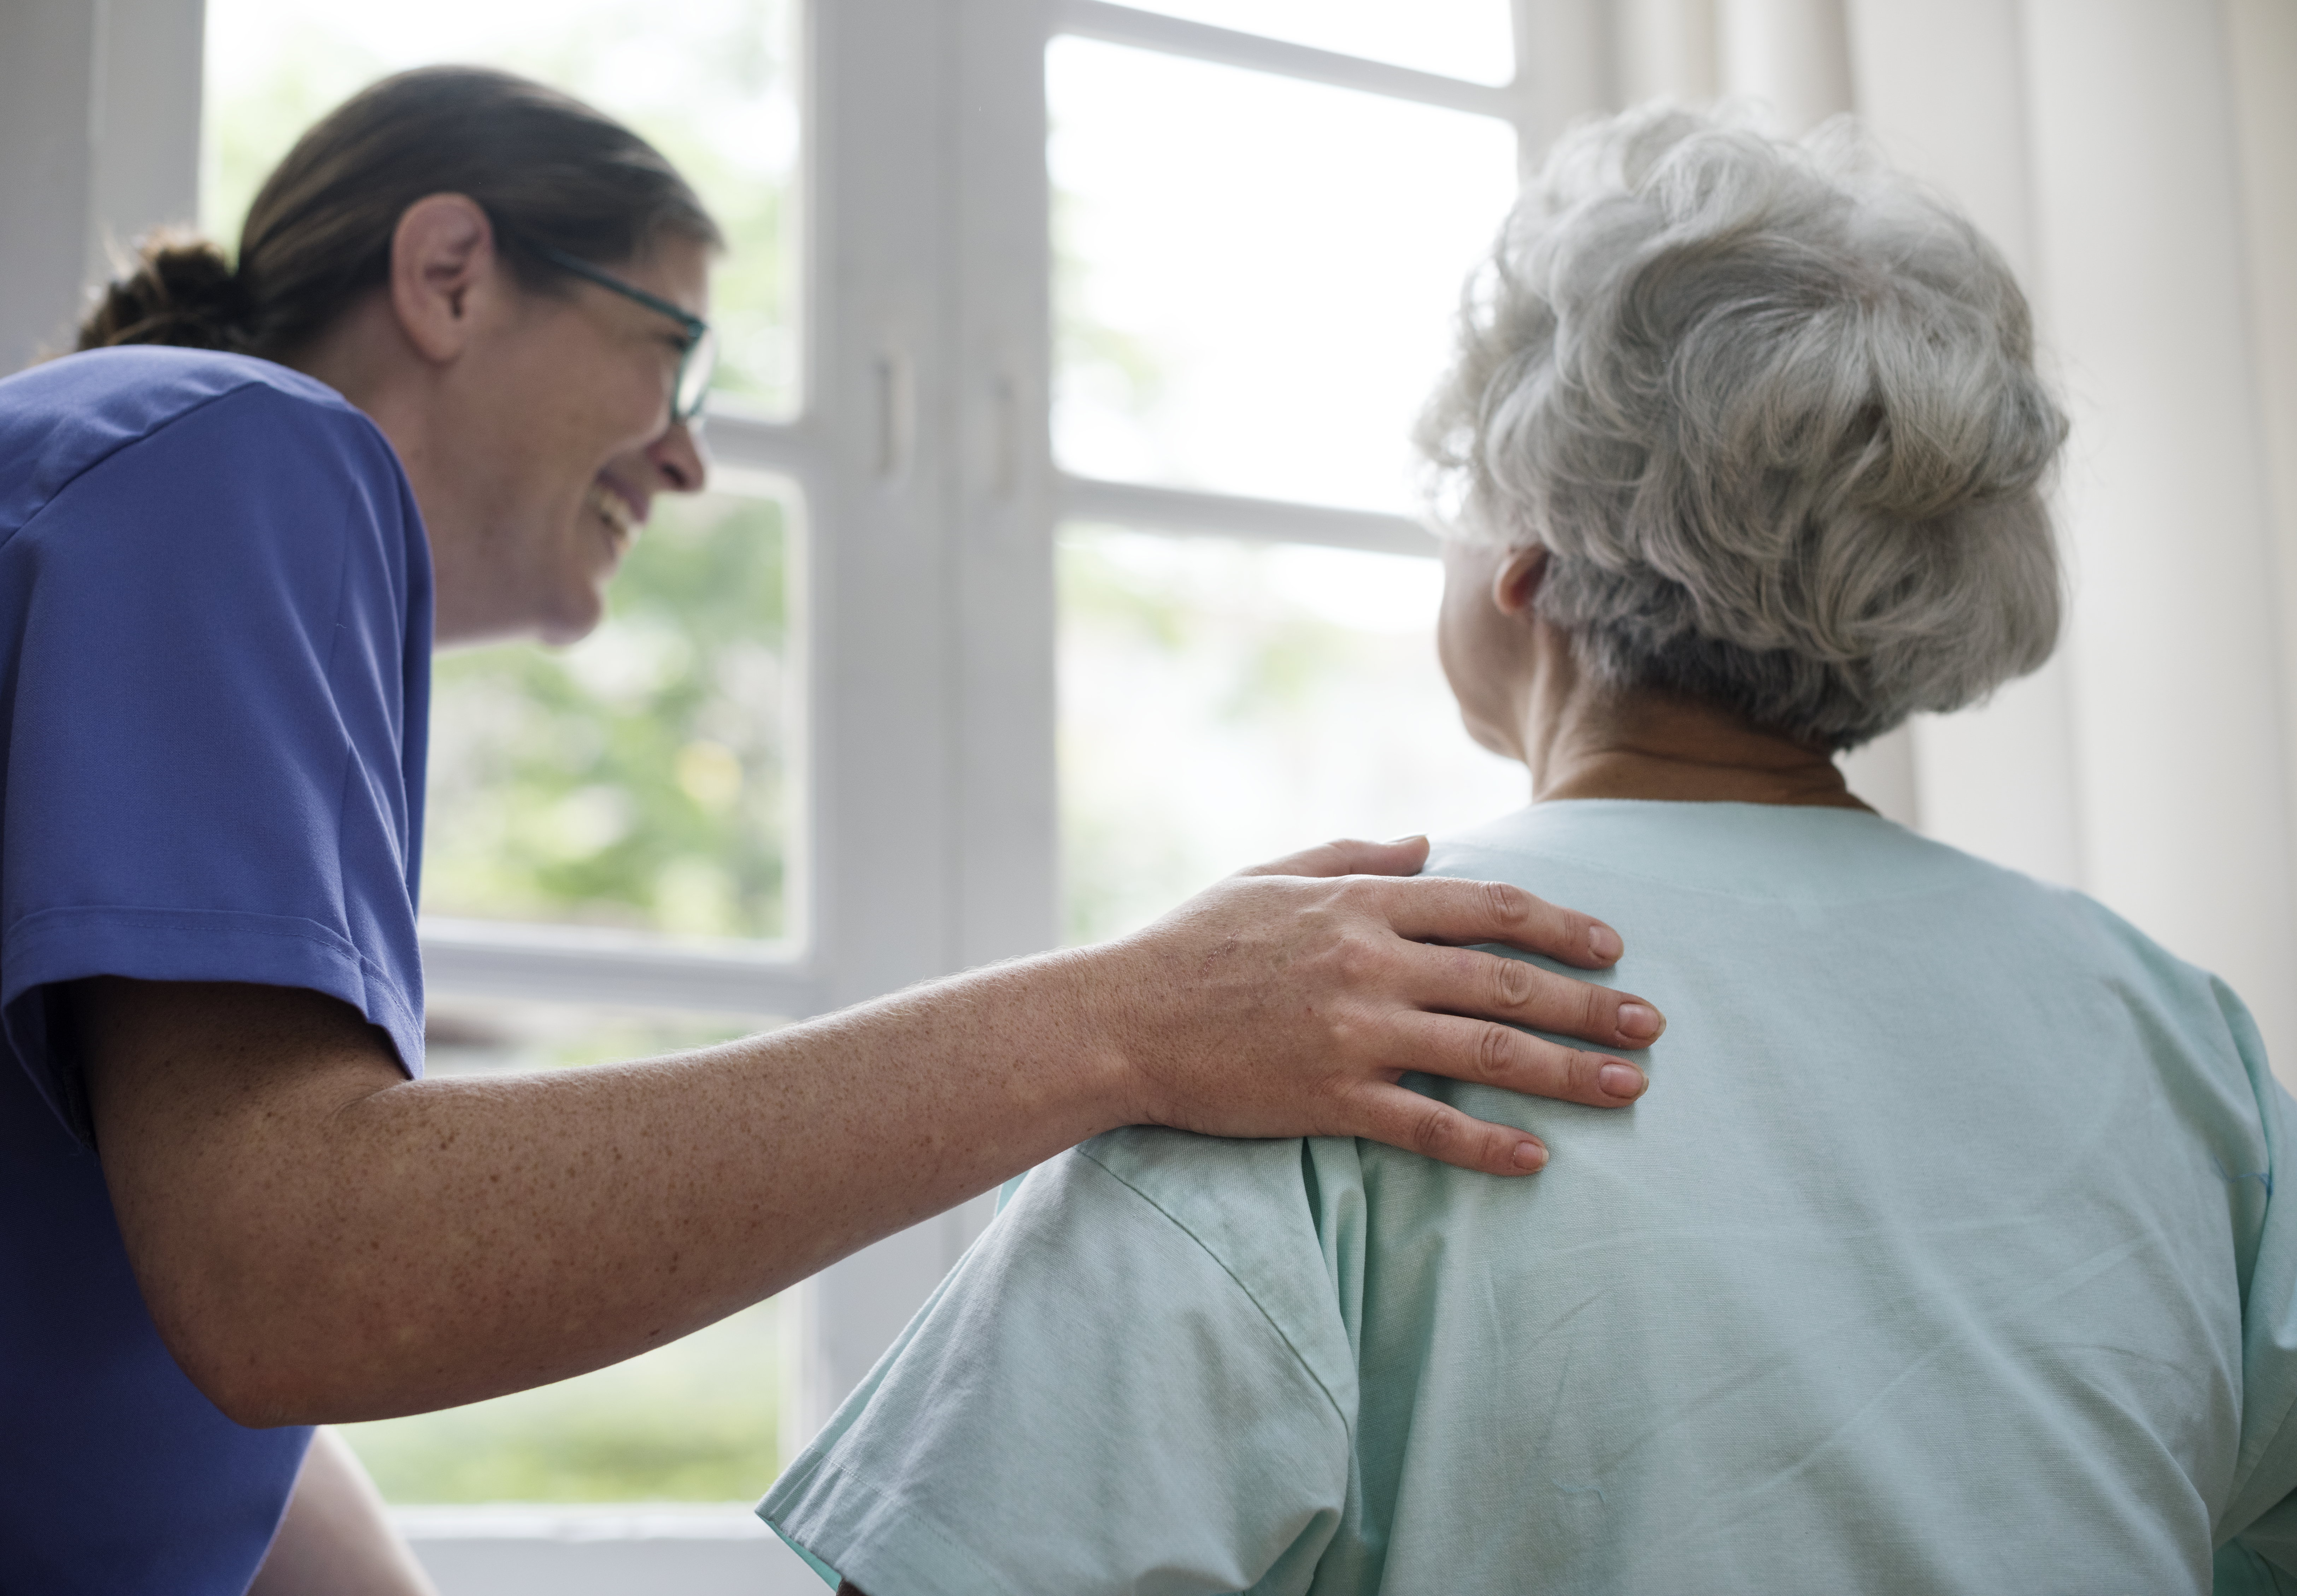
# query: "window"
{"type": "Point", "coordinates": [1248, 308]}
{"type": "Point", "coordinates": [634, 804]}
{"type": "Point", "coordinates": [1072, 347]}
{"type": "Point", "coordinates": [882, 163]}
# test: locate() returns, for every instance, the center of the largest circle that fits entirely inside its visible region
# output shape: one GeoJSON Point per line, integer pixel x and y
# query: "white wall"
{"type": "Point", "coordinates": [1943, 86]}
{"type": "Point", "coordinates": [100, 122]}
{"type": "Point", "coordinates": [2261, 42]}
{"type": "Point", "coordinates": [2143, 262]}
{"type": "Point", "coordinates": [2136, 161]}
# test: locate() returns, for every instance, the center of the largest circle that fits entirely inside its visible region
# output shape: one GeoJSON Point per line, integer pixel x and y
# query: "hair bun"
{"type": "Point", "coordinates": [182, 292]}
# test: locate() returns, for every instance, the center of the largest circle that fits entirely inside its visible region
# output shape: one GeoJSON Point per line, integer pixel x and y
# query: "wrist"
{"type": "Point", "coordinates": [1093, 1046]}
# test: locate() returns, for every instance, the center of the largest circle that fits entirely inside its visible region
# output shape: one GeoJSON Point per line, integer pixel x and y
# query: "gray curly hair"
{"type": "Point", "coordinates": [1773, 412]}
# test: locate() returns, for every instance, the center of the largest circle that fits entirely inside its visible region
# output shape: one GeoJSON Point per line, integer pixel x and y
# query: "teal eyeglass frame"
{"type": "Point", "coordinates": [697, 362]}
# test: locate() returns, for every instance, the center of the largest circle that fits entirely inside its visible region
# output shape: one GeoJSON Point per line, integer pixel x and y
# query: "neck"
{"type": "Point", "coordinates": [362, 355]}
{"type": "Point", "coordinates": [365, 357]}
{"type": "Point", "coordinates": [1585, 742]}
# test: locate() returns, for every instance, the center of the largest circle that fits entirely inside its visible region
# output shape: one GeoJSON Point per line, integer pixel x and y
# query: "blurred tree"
{"type": "Point", "coordinates": [693, 1421]}
{"type": "Point", "coordinates": [637, 778]}
{"type": "Point", "coordinates": [1225, 702]}
{"type": "Point", "coordinates": [709, 89]}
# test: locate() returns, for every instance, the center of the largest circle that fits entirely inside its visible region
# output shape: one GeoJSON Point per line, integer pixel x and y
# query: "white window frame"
{"type": "Point", "coordinates": [924, 631]}
{"type": "Point", "coordinates": [929, 193]}
{"type": "Point", "coordinates": [929, 687]}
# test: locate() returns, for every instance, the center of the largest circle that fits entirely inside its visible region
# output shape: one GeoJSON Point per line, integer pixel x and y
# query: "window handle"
{"type": "Point", "coordinates": [897, 415]}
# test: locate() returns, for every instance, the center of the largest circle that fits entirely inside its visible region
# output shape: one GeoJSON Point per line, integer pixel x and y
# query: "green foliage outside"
{"type": "Point", "coordinates": [642, 779]}
{"type": "Point", "coordinates": [708, 88]}
{"type": "Point", "coordinates": [694, 1421]}
{"type": "Point", "coordinates": [639, 778]}
{"type": "Point", "coordinates": [1224, 703]}
{"type": "Point", "coordinates": [1247, 666]}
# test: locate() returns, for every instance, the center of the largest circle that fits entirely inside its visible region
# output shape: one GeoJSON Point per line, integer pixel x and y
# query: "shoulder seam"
{"type": "Point", "coordinates": [1347, 1425]}
{"type": "Point", "coordinates": [185, 413]}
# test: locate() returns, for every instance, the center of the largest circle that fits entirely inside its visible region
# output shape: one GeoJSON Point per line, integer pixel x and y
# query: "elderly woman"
{"type": "Point", "coordinates": [1948, 1259]}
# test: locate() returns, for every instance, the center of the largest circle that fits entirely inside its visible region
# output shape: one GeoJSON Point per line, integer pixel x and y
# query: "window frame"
{"type": "Point", "coordinates": [923, 625]}
{"type": "Point", "coordinates": [928, 189]}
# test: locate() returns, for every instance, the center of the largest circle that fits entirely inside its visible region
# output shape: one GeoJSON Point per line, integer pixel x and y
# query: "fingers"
{"type": "Point", "coordinates": [1403, 1118]}
{"type": "Point", "coordinates": [1466, 1049]}
{"type": "Point", "coordinates": [1438, 909]}
{"type": "Point", "coordinates": [1466, 981]}
{"type": "Point", "coordinates": [1348, 857]}
{"type": "Point", "coordinates": [1495, 1056]}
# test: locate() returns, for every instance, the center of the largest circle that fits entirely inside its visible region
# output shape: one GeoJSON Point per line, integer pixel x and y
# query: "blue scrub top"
{"type": "Point", "coordinates": [215, 636]}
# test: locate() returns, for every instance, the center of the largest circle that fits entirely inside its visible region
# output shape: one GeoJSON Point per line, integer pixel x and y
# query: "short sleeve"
{"type": "Point", "coordinates": [214, 651]}
{"type": "Point", "coordinates": [2258, 1531]}
{"type": "Point", "coordinates": [1092, 1401]}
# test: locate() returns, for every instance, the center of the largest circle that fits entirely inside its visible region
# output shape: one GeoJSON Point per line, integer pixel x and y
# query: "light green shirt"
{"type": "Point", "coordinates": [1943, 1255]}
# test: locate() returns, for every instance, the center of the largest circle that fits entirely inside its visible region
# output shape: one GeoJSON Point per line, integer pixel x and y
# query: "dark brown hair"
{"type": "Point", "coordinates": [547, 168]}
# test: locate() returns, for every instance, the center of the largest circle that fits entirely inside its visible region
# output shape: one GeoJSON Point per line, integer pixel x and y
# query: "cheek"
{"type": "Point", "coordinates": [1457, 623]}
{"type": "Point", "coordinates": [1447, 646]}
{"type": "Point", "coordinates": [1471, 652]}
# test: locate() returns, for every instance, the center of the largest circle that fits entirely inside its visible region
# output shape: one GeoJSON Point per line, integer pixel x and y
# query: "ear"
{"type": "Point", "coordinates": [442, 259]}
{"type": "Point", "coordinates": [1517, 582]}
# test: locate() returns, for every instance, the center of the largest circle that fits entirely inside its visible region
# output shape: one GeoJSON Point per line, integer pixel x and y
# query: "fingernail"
{"type": "Point", "coordinates": [1417, 837]}
{"type": "Point", "coordinates": [1529, 1154]}
{"type": "Point", "coordinates": [1621, 1081]}
{"type": "Point", "coordinates": [1635, 1020]}
{"type": "Point", "coordinates": [1603, 941]}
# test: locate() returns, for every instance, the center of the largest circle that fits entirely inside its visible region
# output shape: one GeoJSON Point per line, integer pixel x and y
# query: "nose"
{"type": "Point", "coordinates": [680, 460]}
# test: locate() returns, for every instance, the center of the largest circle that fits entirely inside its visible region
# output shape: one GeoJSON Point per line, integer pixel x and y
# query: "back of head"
{"type": "Point", "coordinates": [547, 168]}
{"type": "Point", "coordinates": [1773, 411]}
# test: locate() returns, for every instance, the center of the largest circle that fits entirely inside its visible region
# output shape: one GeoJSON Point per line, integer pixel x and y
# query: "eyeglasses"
{"type": "Point", "coordinates": [697, 362]}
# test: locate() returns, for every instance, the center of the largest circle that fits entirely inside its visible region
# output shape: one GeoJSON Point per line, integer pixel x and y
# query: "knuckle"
{"type": "Point", "coordinates": [1357, 960]}
{"type": "Point", "coordinates": [1507, 904]}
{"type": "Point", "coordinates": [1433, 1133]}
{"type": "Point", "coordinates": [1513, 982]}
{"type": "Point", "coordinates": [1349, 1031]}
{"type": "Point", "coordinates": [1495, 1053]}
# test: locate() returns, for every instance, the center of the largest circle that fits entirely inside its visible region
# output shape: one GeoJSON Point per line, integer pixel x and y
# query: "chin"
{"type": "Point", "coordinates": [574, 619]}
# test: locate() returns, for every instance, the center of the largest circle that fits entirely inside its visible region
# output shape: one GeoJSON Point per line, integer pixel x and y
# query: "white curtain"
{"type": "Point", "coordinates": [2136, 160]}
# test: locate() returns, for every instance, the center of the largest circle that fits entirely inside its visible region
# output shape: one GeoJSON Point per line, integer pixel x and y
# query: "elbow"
{"type": "Point", "coordinates": [233, 1362]}
{"type": "Point", "coordinates": [261, 1359]}
{"type": "Point", "coordinates": [263, 1395]}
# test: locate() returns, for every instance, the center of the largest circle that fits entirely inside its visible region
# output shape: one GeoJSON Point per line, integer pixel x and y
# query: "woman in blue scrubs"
{"type": "Point", "coordinates": [457, 359]}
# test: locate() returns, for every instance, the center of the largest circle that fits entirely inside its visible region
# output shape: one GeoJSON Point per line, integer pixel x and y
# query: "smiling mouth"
{"type": "Point", "coordinates": [614, 510]}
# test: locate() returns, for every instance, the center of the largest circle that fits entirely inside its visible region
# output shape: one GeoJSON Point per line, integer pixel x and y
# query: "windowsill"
{"type": "Point", "coordinates": [583, 1549]}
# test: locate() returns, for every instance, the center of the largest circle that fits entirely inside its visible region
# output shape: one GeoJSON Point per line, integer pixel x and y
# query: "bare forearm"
{"type": "Point", "coordinates": [320, 1239]}
{"type": "Point", "coordinates": [438, 1241]}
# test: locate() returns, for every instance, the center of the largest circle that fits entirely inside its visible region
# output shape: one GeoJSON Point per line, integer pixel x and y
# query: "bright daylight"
{"type": "Point", "coordinates": [947, 797]}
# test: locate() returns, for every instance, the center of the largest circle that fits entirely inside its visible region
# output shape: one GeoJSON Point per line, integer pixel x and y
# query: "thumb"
{"type": "Point", "coordinates": [1348, 857]}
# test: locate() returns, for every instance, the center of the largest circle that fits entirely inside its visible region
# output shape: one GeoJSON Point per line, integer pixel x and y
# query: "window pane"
{"type": "Point", "coordinates": [695, 1420]}
{"type": "Point", "coordinates": [707, 81]}
{"type": "Point", "coordinates": [1255, 277]}
{"type": "Point", "coordinates": [1224, 703]}
{"type": "Point", "coordinates": [1459, 38]}
{"type": "Point", "coordinates": [640, 778]}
